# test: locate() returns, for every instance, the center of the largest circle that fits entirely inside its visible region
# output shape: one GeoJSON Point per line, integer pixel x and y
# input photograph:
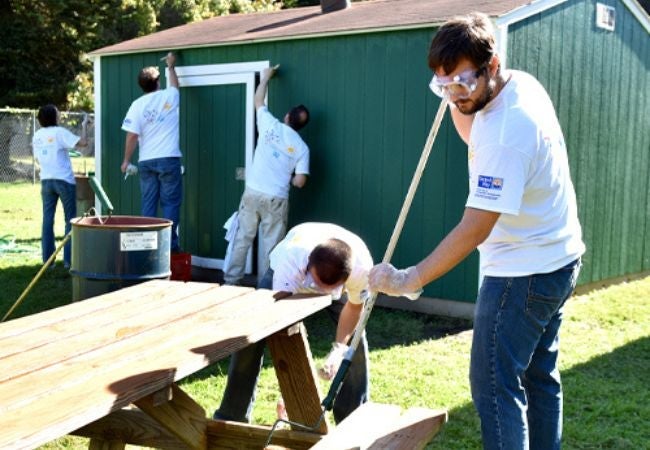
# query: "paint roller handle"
{"type": "Point", "coordinates": [101, 195]}
{"type": "Point", "coordinates": [337, 384]}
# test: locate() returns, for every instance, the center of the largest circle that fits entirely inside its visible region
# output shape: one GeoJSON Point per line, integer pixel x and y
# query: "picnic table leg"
{"type": "Point", "coordinates": [179, 413]}
{"type": "Point", "coordinates": [296, 374]}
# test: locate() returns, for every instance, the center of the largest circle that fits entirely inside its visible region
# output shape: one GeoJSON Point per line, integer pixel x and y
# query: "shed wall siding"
{"type": "Point", "coordinates": [600, 83]}
{"type": "Point", "coordinates": [371, 112]}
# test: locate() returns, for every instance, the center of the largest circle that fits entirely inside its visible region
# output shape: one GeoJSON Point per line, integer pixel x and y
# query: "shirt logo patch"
{"type": "Point", "coordinates": [290, 149]}
{"type": "Point", "coordinates": [486, 182]}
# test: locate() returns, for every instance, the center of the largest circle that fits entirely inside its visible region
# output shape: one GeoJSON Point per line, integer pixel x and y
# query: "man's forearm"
{"type": "Point", "coordinates": [173, 78]}
{"type": "Point", "coordinates": [129, 149]}
{"type": "Point", "coordinates": [260, 93]}
{"type": "Point", "coordinates": [347, 322]}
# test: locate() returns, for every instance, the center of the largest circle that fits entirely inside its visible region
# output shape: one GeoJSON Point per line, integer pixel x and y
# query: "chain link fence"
{"type": "Point", "coordinates": [17, 127]}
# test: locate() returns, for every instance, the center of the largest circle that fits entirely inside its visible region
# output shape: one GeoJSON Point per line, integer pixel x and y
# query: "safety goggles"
{"type": "Point", "coordinates": [460, 86]}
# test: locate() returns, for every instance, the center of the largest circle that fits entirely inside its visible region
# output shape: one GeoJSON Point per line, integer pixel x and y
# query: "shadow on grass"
{"type": "Point", "coordinates": [53, 289]}
{"type": "Point", "coordinates": [387, 328]}
{"type": "Point", "coordinates": [35, 242]}
{"type": "Point", "coordinates": [606, 405]}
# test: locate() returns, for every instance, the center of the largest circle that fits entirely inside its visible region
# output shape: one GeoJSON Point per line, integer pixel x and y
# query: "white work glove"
{"type": "Point", "coordinates": [386, 278]}
{"type": "Point", "coordinates": [131, 169]}
{"type": "Point", "coordinates": [333, 361]}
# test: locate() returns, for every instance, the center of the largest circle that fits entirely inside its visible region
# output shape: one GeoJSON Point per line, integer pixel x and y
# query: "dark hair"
{"type": "Point", "coordinates": [298, 117]}
{"type": "Point", "coordinates": [148, 79]}
{"type": "Point", "coordinates": [47, 116]}
{"type": "Point", "coordinates": [470, 36]}
{"type": "Point", "coordinates": [332, 261]}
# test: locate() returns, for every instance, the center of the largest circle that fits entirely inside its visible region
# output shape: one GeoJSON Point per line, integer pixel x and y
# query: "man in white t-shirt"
{"type": "Point", "coordinates": [318, 258]}
{"type": "Point", "coordinates": [152, 123]}
{"type": "Point", "coordinates": [51, 144]}
{"type": "Point", "coordinates": [521, 214]}
{"type": "Point", "coordinates": [281, 159]}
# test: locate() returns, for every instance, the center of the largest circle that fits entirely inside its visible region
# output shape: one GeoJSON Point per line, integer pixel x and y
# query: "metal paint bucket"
{"type": "Point", "coordinates": [109, 253]}
{"type": "Point", "coordinates": [327, 6]}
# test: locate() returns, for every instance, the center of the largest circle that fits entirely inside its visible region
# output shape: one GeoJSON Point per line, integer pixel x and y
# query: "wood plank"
{"type": "Point", "coordinates": [225, 435]}
{"type": "Point", "coordinates": [413, 430]}
{"type": "Point", "coordinates": [181, 415]}
{"type": "Point", "coordinates": [113, 326]}
{"type": "Point", "coordinates": [381, 427]}
{"type": "Point", "coordinates": [132, 426]}
{"type": "Point", "coordinates": [358, 429]}
{"type": "Point", "coordinates": [83, 308]}
{"type": "Point", "coordinates": [296, 374]}
{"type": "Point", "coordinates": [86, 388]}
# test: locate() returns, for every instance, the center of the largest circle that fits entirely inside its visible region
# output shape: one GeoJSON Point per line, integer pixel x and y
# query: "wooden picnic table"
{"type": "Point", "coordinates": [80, 368]}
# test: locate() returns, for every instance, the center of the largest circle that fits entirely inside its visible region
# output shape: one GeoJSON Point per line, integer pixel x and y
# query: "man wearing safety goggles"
{"type": "Point", "coordinates": [521, 214]}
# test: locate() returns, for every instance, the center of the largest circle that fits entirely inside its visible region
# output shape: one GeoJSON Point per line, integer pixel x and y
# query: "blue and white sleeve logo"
{"type": "Point", "coordinates": [489, 187]}
{"type": "Point", "coordinates": [486, 182]}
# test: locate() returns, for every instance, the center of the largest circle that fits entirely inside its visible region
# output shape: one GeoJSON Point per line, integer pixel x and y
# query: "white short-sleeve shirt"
{"type": "Point", "coordinates": [518, 166]}
{"type": "Point", "coordinates": [290, 257]}
{"type": "Point", "coordinates": [51, 146]}
{"type": "Point", "coordinates": [154, 118]}
{"type": "Point", "coordinates": [279, 153]}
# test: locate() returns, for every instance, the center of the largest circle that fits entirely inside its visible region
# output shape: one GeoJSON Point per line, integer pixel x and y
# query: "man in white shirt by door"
{"type": "Point", "coordinates": [281, 160]}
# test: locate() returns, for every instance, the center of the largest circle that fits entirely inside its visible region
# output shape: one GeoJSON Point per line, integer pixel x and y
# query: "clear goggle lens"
{"type": "Point", "coordinates": [460, 86]}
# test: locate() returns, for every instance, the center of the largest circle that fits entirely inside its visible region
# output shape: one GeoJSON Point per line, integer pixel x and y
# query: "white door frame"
{"type": "Point", "coordinates": [224, 74]}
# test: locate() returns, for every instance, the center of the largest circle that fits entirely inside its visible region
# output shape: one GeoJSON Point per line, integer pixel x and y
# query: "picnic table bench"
{"type": "Point", "coordinates": [107, 368]}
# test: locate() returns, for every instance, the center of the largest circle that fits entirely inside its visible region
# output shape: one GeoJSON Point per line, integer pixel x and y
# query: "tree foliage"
{"type": "Point", "coordinates": [44, 42]}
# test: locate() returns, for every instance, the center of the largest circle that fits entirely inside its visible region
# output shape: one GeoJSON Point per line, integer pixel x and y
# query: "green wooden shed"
{"type": "Point", "coordinates": [362, 72]}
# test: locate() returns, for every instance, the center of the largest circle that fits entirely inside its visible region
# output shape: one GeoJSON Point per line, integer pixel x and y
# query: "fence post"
{"type": "Point", "coordinates": [31, 139]}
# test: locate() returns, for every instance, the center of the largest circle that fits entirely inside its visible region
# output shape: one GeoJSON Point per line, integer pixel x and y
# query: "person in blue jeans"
{"type": "Point", "coordinates": [51, 144]}
{"type": "Point", "coordinates": [152, 125]}
{"type": "Point", "coordinates": [521, 214]}
{"type": "Point", "coordinates": [313, 258]}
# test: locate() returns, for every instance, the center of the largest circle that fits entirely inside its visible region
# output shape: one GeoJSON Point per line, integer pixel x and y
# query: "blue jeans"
{"type": "Point", "coordinates": [514, 375]}
{"type": "Point", "coordinates": [161, 181]}
{"type": "Point", "coordinates": [51, 192]}
{"type": "Point", "coordinates": [245, 366]}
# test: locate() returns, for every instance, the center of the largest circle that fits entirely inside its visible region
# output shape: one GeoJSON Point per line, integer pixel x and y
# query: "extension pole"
{"type": "Point", "coordinates": [335, 387]}
{"type": "Point", "coordinates": [337, 383]}
{"type": "Point", "coordinates": [38, 275]}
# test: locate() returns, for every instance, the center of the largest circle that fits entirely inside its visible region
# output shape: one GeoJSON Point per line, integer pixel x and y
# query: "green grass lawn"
{"type": "Point", "coordinates": [416, 360]}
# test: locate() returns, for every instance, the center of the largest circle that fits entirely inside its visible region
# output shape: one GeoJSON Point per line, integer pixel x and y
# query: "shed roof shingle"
{"type": "Point", "coordinates": [310, 21]}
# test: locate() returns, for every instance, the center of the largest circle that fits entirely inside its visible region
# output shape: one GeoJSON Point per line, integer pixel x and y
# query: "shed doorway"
{"type": "Point", "coordinates": [217, 137]}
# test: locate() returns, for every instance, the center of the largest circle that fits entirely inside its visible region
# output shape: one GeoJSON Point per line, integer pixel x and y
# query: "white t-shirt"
{"type": "Point", "coordinates": [51, 146]}
{"type": "Point", "coordinates": [290, 257]}
{"type": "Point", "coordinates": [154, 118]}
{"type": "Point", "coordinates": [518, 166]}
{"type": "Point", "coordinates": [279, 153]}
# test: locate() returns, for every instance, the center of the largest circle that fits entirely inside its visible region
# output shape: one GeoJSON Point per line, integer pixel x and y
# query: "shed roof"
{"type": "Point", "coordinates": [364, 16]}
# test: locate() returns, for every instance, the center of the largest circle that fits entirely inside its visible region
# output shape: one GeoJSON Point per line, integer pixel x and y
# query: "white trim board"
{"type": "Point", "coordinates": [638, 12]}
{"type": "Point", "coordinates": [97, 76]}
{"type": "Point", "coordinates": [224, 74]}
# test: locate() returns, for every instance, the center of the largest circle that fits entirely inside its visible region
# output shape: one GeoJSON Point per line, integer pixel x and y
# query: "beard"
{"type": "Point", "coordinates": [469, 106]}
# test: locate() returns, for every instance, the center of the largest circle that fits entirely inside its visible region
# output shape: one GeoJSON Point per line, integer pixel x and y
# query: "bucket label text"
{"type": "Point", "coordinates": [140, 240]}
